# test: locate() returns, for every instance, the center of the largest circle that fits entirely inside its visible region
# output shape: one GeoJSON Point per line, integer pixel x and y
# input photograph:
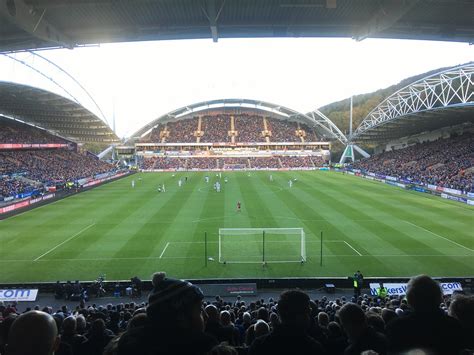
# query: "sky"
{"type": "Point", "coordinates": [143, 80]}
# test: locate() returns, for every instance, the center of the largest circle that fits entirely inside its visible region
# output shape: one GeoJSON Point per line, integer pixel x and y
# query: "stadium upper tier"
{"type": "Point", "coordinates": [32, 24]}
{"type": "Point", "coordinates": [224, 127]}
{"type": "Point", "coordinates": [54, 113]}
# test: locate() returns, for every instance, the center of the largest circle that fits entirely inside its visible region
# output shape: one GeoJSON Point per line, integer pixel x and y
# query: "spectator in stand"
{"type": "Point", "coordinates": [20, 133]}
{"type": "Point", "coordinates": [159, 163]}
{"type": "Point", "coordinates": [361, 336]}
{"type": "Point", "coordinates": [462, 308]}
{"type": "Point", "coordinates": [444, 162]}
{"type": "Point", "coordinates": [216, 128]}
{"type": "Point", "coordinates": [175, 324]}
{"type": "Point", "coordinates": [265, 162]}
{"type": "Point", "coordinates": [182, 131]}
{"type": "Point", "coordinates": [249, 128]}
{"type": "Point", "coordinates": [282, 131]}
{"type": "Point", "coordinates": [70, 336]}
{"type": "Point", "coordinates": [290, 337]}
{"type": "Point", "coordinates": [33, 333]}
{"type": "Point", "coordinates": [427, 327]}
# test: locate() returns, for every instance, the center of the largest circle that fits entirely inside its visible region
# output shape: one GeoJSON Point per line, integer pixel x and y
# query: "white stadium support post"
{"type": "Point", "coordinates": [257, 245]}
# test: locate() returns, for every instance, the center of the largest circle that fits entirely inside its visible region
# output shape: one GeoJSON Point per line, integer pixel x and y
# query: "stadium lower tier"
{"type": "Point", "coordinates": [230, 163]}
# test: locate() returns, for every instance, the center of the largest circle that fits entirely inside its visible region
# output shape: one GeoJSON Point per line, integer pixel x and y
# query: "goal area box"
{"type": "Point", "coordinates": [262, 245]}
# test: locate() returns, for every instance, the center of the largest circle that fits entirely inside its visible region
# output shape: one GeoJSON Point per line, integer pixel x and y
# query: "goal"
{"type": "Point", "coordinates": [262, 245]}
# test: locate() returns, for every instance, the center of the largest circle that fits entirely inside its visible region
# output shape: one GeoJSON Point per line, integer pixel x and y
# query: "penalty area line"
{"type": "Point", "coordinates": [67, 240]}
{"type": "Point", "coordinates": [166, 247]}
{"type": "Point", "coordinates": [439, 236]}
{"type": "Point", "coordinates": [350, 246]}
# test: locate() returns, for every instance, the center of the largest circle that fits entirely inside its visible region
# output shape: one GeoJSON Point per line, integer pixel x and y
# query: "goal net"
{"type": "Point", "coordinates": [258, 245]}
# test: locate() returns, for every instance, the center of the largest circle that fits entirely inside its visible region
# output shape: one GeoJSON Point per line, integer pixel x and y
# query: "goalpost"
{"type": "Point", "coordinates": [262, 245]}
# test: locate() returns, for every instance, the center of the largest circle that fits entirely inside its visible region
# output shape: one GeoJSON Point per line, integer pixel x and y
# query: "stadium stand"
{"type": "Point", "coordinates": [249, 128]}
{"type": "Point", "coordinates": [444, 162]}
{"type": "Point", "coordinates": [182, 131]}
{"type": "Point", "coordinates": [12, 132]}
{"type": "Point", "coordinates": [265, 162]}
{"type": "Point", "coordinates": [296, 162]}
{"type": "Point", "coordinates": [29, 169]}
{"type": "Point", "coordinates": [201, 163]}
{"type": "Point", "coordinates": [283, 131]}
{"type": "Point", "coordinates": [293, 324]}
{"type": "Point", "coordinates": [216, 128]}
{"type": "Point", "coordinates": [162, 163]}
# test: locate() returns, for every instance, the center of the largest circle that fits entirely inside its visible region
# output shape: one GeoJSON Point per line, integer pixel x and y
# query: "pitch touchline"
{"type": "Point", "coordinates": [440, 236]}
{"type": "Point", "coordinates": [67, 240]}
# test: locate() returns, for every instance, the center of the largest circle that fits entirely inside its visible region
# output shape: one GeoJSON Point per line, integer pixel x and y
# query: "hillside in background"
{"type": "Point", "coordinates": [338, 111]}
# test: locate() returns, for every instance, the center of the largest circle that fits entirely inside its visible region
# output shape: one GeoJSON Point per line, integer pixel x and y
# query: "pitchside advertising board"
{"type": "Point", "coordinates": [401, 288]}
{"type": "Point", "coordinates": [18, 295]}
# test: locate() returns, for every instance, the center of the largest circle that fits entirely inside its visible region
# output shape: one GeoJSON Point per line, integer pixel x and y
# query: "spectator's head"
{"type": "Point", "coordinates": [334, 330]}
{"type": "Point", "coordinates": [376, 322]}
{"type": "Point", "coordinates": [69, 325]}
{"type": "Point", "coordinates": [262, 313]}
{"type": "Point", "coordinates": [462, 308]}
{"type": "Point", "coordinates": [294, 308]}
{"type": "Point", "coordinates": [353, 320]}
{"type": "Point", "coordinates": [223, 349]}
{"type": "Point", "coordinates": [246, 318]}
{"type": "Point", "coordinates": [33, 333]}
{"type": "Point", "coordinates": [323, 319]}
{"type": "Point", "coordinates": [423, 294]}
{"type": "Point", "coordinates": [261, 328]}
{"type": "Point", "coordinates": [212, 313]}
{"type": "Point", "coordinates": [226, 319]}
{"type": "Point", "coordinates": [137, 320]}
{"type": "Point", "coordinates": [175, 303]}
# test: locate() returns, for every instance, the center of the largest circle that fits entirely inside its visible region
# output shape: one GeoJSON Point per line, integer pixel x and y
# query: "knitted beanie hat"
{"type": "Point", "coordinates": [170, 296]}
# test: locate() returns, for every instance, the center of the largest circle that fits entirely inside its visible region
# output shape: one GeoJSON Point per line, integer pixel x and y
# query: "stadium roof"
{"type": "Point", "coordinates": [439, 100]}
{"type": "Point", "coordinates": [323, 125]}
{"type": "Point", "coordinates": [54, 113]}
{"type": "Point", "coordinates": [33, 24]}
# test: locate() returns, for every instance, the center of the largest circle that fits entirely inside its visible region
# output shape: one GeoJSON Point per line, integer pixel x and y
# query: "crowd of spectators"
{"type": "Point", "coordinates": [249, 128]}
{"type": "Point", "coordinates": [209, 163]}
{"type": "Point", "coordinates": [161, 163]}
{"type": "Point", "coordinates": [154, 135]}
{"type": "Point", "coordinates": [201, 163]}
{"type": "Point", "coordinates": [234, 162]}
{"type": "Point", "coordinates": [296, 162]}
{"type": "Point", "coordinates": [444, 162]}
{"type": "Point", "coordinates": [283, 131]}
{"type": "Point", "coordinates": [182, 131]}
{"type": "Point", "coordinates": [177, 320]}
{"type": "Point", "coordinates": [10, 186]}
{"type": "Point", "coordinates": [13, 132]}
{"type": "Point", "coordinates": [216, 128]}
{"type": "Point", "coordinates": [53, 165]}
{"type": "Point", "coordinates": [265, 163]}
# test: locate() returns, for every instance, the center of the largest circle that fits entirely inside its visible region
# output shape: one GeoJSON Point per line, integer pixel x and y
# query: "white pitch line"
{"type": "Point", "coordinates": [67, 240]}
{"type": "Point", "coordinates": [200, 257]}
{"type": "Point", "coordinates": [440, 236]}
{"type": "Point", "coordinates": [166, 247]}
{"type": "Point", "coordinates": [350, 246]}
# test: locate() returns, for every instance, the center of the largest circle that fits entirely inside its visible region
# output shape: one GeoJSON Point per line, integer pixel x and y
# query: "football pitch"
{"type": "Point", "coordinates": [122, 231]}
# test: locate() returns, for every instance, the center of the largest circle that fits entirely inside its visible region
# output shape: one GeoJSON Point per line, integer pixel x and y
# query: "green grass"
{"type": "Point", "coordinates": [122, 232]}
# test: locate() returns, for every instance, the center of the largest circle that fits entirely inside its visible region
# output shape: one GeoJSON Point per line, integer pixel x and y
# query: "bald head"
{"type": "Point", "coordinates": [33, 333]}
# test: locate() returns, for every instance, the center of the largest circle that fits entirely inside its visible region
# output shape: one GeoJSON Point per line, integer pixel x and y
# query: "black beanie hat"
{"type": "Point", "coordinates": [170, 296]}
